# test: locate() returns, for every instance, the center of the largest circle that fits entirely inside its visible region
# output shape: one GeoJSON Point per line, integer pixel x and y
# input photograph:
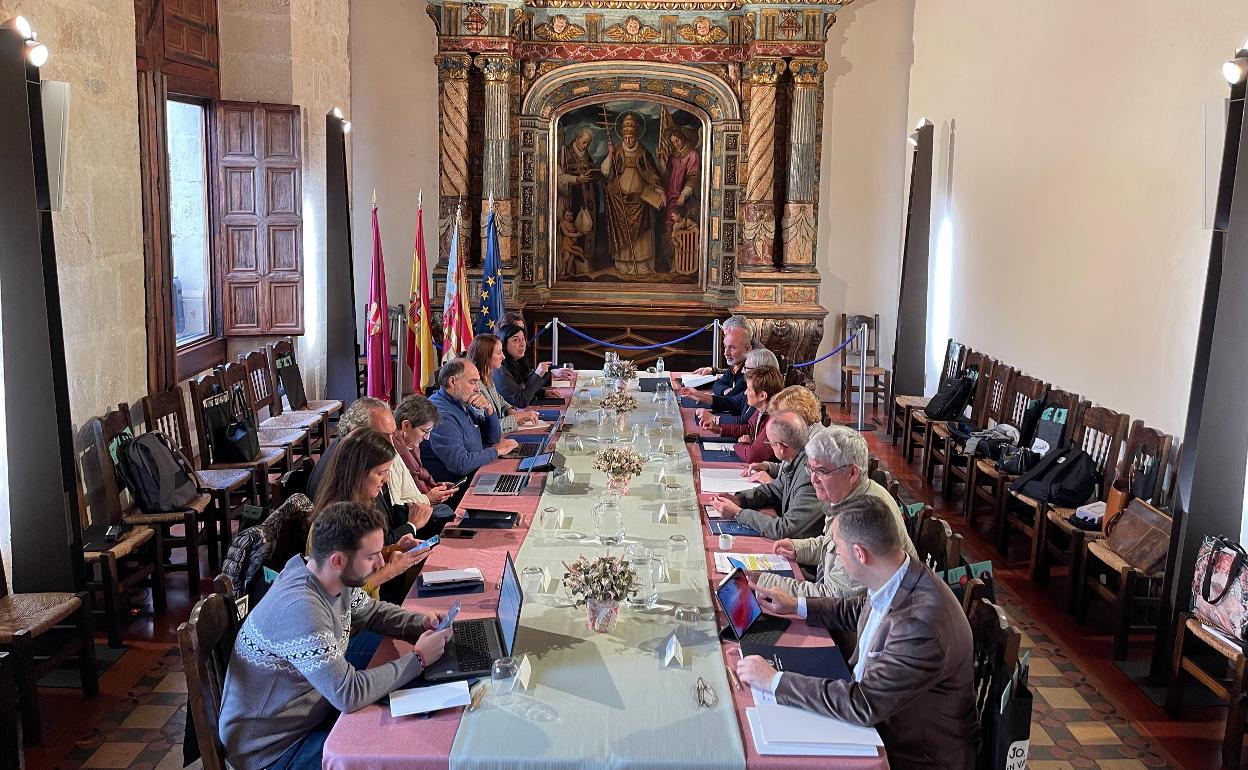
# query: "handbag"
{"type": "Point", "coordinates": [232, 436]}
{"type": "Point", "coordinates": [291, 380]}
{"type": "Point", "coordinates": [1141, 536]}
{"type": "Point", "coordinates": [1017, 460]}
{"type": "Point", "coordinates": [1220, 586]}
{"type": "Point", "coordinates": [1117, 499]}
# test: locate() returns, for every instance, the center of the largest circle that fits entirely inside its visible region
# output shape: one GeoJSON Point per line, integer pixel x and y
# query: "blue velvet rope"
{"type": "Point", "coordinates": [588, 338]}
{"type": "Point", "coordinates": [827, 355]}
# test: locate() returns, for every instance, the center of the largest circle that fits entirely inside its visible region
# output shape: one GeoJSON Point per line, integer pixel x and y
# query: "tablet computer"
{"type": "Point", "coordinates": [738, 602]}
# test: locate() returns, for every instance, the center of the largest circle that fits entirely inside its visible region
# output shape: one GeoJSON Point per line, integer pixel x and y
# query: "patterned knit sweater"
{"type": "Point", "coordinates": [288, 672]}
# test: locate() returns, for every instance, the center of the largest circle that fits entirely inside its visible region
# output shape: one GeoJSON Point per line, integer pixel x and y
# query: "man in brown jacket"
{"type": "Point", "coordinates": [912, 676]}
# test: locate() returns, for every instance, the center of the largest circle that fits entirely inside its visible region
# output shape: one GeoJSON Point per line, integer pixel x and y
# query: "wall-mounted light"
{"type": "Point", "coordinates": [1236, 69]}
{"type": "Point", "coordinates": [913, 139]}
{"type": "Point", "coordinates": [337, 113]}
{"type": "Point", "coordinates": [22, 27]}
{"type": "Point", "coordinates": [346, 126]}
{"type": "Point", "coordinates": [36, 53]}
{"type": "Point", "coordinates": [923, 122]}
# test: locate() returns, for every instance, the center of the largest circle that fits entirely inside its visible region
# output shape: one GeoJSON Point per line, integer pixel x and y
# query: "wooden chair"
{"type": "Point", "coordinates": [206, 641]}
{"type": "Point", "coordinates": [285, 348]}
{"type": "Point", "coordinates": [1021, 513]}
{"type": "Point", "coordinates": [59, 624]}
{"type": "Point", "coordinates": [1234, 692]}
{"type": "Point", "coordinates": [1143, 441]}
{"type": "Point", "coordinates": [955, 465]}
{"type": "Point", "coordinates": [935, 450]}
{"type": "Point", "coordinates": [166, 412]}
{"type": "Point", "coordinates": [938, 547]}
{"type": "Point", "coordinates": [881, 378]}
{"type": "Point", "coordinates": [987, 483]}
{"type": "Point", "coordinates": [903, 404]}
{"type": "Point", "coordinates": [262, 393]}
{"type": "Point", "coordinates": [109, 429]}
{"type": "Point", "coordinates": [1101, 433]}
{"type": "Point", "coordinates": [1129, 591]}
{"type": "Point", "coordinates": [10, 727]}
{"type": "Point", "coordinates": [295, 439]}
{"type": "Point", "coordinates": [271, 460]}
{"type": "Point", "coordinates": [915, 435]}
{"type": "Point", "coordinates": [976, 589]}
{"type": "Point", "coordinates": [994, 659]}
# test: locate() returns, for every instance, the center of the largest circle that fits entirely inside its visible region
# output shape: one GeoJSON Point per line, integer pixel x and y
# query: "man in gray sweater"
{"type": "Point", "coordinates": [790, 493]}
{"type": "Point", "coordinates": [288, 678]}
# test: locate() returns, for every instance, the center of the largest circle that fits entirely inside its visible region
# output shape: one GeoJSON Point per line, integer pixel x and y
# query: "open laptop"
{"type": "Point", "coordinates": [475, 644]}
{"type": "Point", "coordinates": [530, 447]}
{"type": "Point", "coordinates": [514, 483]}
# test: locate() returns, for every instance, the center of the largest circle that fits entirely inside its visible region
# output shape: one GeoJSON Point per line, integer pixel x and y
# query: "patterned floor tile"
{"type": "Point", "coordinates": [114, 755]}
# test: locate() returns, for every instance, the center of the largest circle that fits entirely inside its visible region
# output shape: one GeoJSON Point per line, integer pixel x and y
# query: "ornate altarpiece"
{"type": "Point", "coordinates": [729, 93]}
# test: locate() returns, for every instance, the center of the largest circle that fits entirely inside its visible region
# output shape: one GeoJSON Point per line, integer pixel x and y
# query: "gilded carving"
{"type": "Point", "coordinates": [497, 67]}
{"type": "Point", "coordinates": [764, 70]}
{"type": "Point", "coordinates": [632, 30]}
{"type": "Point", "coordinates": [807, 72]}
{"type": "Point", "coordinates": [759, 294]}
{"type": "Point", "coordinates": [474, 20]}
{"type": "Point", "coordinates": [759, 232]}
{"type": "Point", "coordinates": [559, 29]}
{"type": "Point", "coordinates": [798, 230]}
{"type": "Point", "coordinates": [453, 66]}
{"type": "Point", "coordinates": [789, 24]}
{"type": "Point", "coordinates": [702, 31]}
{"type": "Point", "coordinates": [798, 295]}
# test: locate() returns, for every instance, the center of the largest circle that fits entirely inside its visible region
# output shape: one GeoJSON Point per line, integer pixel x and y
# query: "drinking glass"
{"type": "Point", "coordinates": [574, 445]}
{"type": "Point", "coordinates": [677, 551]}
{"type": "Point", "coordinates": [673, 496]}
{"type": "Point", "coordinates": [608, 521]}
{"type": "Point", "coordinates": [582, 396]}
{"type": "Point", "coordinates": [638, 557]}
{"type": "Point", "coordinates": [580, 417]}
{"type": "Point", "coordinates": [550, 518]}
{"type": "Point", "coordinates": [606, 424]}
{"type": "Point", "coordinates": [662, 391]}
{"type": "Point", "coordinates": [532, 580]}
{"type": "Point", "coordinates": [503, 673]}
{"type": "Point", "coordinates": [687, 618]}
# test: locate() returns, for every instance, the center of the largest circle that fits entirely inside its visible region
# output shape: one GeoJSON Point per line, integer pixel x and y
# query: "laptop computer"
{"type": "Point", "coordinates": [531, 444]}
{"type": "Point", "coordinates": [514, 483]}
{"type": "Point", "coordinates": [475, 644]}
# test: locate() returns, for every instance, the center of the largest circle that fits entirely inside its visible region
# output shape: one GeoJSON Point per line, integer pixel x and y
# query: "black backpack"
{"type": "Point", "coordinates": [1047, 435]}
{"type": "Point", "coordinates": [954, 394]}
{"type": "Point", "coordinates": [158, 475]}
{"type": "Point", "coordinates": [1066, 478]}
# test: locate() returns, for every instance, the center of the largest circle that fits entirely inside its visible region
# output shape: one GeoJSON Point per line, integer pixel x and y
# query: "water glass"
{"type": "Point", "coordinates": [550, 518]}
{"type": "Point", "coordinates": [580, 417]}
{"type": "Point", "coordinates": [582, 397]}
{"type": "Point", "coordinates": [674, 496]}
{"type": "Point", "coordinates": [687, 618]}
{"type": "Point", "coordinates": [532, 579]}
{"type": "Point", "coordinates": [677, 551]}
{"type": "Point", "coordinates": [662, 392]}
{"type": "Point", "coordinates": [608, 521]}
{"type": "Point", "coordinates": [606, 424]}
{"type": "Point", "coordinates": [574, 445]}
{"type": "Point", "coordinates": [503, 673]}
{"type": "Point", "coordinates": [639, 557]}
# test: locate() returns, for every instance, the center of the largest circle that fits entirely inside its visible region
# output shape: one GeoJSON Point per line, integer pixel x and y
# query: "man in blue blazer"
{"type": "Point", "coordinates": [469, 434]}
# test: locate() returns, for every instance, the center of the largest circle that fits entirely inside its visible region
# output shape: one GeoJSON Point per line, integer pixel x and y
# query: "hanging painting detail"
{"type": "Point", "coordinates": [629, 203]}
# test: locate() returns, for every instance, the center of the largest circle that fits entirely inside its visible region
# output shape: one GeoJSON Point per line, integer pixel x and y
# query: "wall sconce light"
{"type": "Point", "coordinates": [346, 126]}
{"type": "Point", "coordinates": [337, 113]}
{"type": "Point", "coordinates": [913, 139]}
{"type": "Point", "coordinates": [1235, 70]}
{"type": "Point", "coordinates": [22, 27]}
{"type": "Point", "coordinates": [922, 122]}
{"type": "Point", "coordinates": [36, 53]}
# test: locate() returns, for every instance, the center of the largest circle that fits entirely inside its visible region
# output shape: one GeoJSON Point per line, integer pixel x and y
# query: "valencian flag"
{"type": "Point", "coordinates": [377, 325]}
{"type": "Point", "coordinates": [420, 356]}
{"type": "Point", "coordinates": [456, 325]}
{"type": "Point", "coordinates": [491, 295]}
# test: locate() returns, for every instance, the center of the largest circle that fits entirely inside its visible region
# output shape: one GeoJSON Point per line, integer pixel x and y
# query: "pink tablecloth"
{"type": "Point", "coordinates": [371, 739]}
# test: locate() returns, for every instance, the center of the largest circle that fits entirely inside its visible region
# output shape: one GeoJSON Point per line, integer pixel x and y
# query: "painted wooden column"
{"type": "Point", "coordinates": [453, 71]}
{"type": "Point", "coordinates": [798, 228]}
{"type": "Point", "coordinates": [759, 226]}
{"type": "Point", "coordinates": [498, 69]}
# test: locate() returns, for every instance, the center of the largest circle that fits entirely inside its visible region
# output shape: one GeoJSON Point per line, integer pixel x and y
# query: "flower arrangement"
{"type": "Point", "coordinates": [621, 370]}
{"type": "Point", "coordinates": [619, 462]}
{"type": "Point", "coordinates": [605, 579]}
{"type": "Point", "coordinates": [622, 403]}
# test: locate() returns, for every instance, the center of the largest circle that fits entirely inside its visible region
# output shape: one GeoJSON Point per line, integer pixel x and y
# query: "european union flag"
{"type": "Point", "coordinates": [491, 293]}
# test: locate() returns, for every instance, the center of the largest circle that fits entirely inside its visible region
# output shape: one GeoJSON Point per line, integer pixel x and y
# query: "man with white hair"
{"type": "Point", "coordinates": [836, 459]}
{"type": "Point", "coordinates": [737, 342]}
{"type": "Point", "coordinates": [734, 409]}
{"type": "Point", "coordinates": [791, 493]}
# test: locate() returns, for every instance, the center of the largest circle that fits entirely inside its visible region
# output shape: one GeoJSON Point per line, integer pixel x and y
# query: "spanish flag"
{"type": "Point", "coordinates": [420, 355]}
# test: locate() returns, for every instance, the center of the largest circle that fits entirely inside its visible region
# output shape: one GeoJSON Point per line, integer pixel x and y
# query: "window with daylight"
{"type": "Point", "coordinates": [189, 228]}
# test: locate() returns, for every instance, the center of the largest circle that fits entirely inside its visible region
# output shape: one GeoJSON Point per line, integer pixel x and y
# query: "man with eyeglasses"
{"type": "Point", "coordinates": [790, 493]}
{"type": "Point", "coordinates": [737, 343]}
{"type": "Point", "coordinates": [836, 459]}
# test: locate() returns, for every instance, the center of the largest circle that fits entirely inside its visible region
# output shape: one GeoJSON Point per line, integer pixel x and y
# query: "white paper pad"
{"type": "Point", "coordinates": [756, 562]}
{"type": "Point", "coordinates": [451, 576]}
{"type": "Point", "coordinates": [419, 700]}
{"type": "Point", "coordinates": [726, 480]}
{"type": "Point", "coordinates": [719, 446]}
{"type": "Point", "coordinates": [767, 748]}
{"type": "Point", "coordinates": [787, 725]}
{"type": "Point", "coordinates": [535, 426]}
{"type": "Point", "coordinates": [698, 380]}
{"type": "Point", "coordinates": [711, 513]}
{"type": "Point", "coordinates": [762, 696]}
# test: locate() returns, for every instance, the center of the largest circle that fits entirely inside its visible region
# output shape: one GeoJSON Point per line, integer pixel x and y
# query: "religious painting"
{"type": "Point", "coordinates": [628, 203]}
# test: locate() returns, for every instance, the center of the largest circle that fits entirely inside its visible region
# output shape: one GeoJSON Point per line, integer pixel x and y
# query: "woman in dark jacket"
{"type": "Point", "coordinates": [517, 380]}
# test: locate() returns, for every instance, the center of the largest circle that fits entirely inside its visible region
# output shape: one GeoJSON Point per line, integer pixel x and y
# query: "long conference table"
{"type": "Point", "coordinates": [595, 700]}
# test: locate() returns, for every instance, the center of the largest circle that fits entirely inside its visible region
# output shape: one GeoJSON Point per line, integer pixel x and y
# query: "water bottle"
{"type": "Point", "coordinates": [658, 365]}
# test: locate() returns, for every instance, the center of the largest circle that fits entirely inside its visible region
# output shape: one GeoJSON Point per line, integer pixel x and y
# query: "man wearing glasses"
{"type": "Point", "coordinates": [836, 459]}
{"type": "Point", "coordinates": [791, 493]}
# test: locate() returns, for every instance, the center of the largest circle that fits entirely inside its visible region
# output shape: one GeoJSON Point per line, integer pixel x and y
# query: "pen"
{"type": "Point", "coordinates": [732, 676]}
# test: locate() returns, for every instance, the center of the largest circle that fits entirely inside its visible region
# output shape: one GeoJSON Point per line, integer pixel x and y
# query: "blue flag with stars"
{"type": "Point", "coordinates": [491, 295]}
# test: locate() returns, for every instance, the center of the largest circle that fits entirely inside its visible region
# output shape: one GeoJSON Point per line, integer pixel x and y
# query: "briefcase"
{"type": "Point", "coordinates": [1141, 536]}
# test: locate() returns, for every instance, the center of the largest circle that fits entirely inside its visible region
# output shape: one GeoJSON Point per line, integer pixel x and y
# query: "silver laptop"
{"type": "Point", "coordinates": [514, 483]}
{"type": "Point", "coordinates": [475, 644]}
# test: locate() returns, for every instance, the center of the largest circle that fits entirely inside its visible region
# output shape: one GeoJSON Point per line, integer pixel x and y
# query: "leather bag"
{"type": "Point", "coordinates": [1141, 536]}
{"type": "Point", "coordinates": [1220, 586]}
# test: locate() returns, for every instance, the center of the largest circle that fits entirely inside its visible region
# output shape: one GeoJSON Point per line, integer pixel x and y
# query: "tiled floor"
{"type": "Point", "coordinates": [1087, 713]}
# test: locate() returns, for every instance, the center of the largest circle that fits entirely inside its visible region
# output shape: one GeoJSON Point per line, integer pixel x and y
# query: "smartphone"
{"type": "Point", "coordinates": [461, 482]}
{"type": "Point", "coordinates": [459, 532]}
{"type": "Point", "coordinates": [449, 617]}
{"type": "Point", "coordinates": [425, 546]}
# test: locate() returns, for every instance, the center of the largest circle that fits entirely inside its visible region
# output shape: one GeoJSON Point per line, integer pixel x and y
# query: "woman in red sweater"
{"type": "Point", "coordinates": [760, 385]}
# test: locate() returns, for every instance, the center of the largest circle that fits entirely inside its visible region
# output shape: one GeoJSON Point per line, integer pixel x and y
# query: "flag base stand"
{"type": "Point", "coordinates": [864, 428]}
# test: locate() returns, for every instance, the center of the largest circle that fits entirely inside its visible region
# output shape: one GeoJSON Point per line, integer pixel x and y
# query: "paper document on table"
{"type": "Point", "coordinates": [718, 446]}
{"type": "Point", "coordinates": [726, 480]}
{"type": "Point", "coordinates": [452, 576]}
{"type": "Point", "coordinates": [770, 748]}
{"type": "Point", "coordinates": [755, 562]}
{"type": "Point", "coordinates": [698, 380]}
{"type": "Point", "coordinates": [788, 725]}
{"type": "Point", "coordinates": [419, 700]}
{"type": "Point", "coordinates": [534, 426]}
{"type": "Point", "coordinates": [762, 696]}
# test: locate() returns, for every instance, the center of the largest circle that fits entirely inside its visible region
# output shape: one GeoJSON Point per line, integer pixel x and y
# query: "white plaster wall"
{"type": "Point", "coordinates": [1078, 176]}
{"type": "Point", "coordinates": [863, 171]}
{"type": "Point", "coordinates": [394, 139]}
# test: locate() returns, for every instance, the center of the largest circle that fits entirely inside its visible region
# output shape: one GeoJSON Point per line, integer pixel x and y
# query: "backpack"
{"type": "Point", "coordinates": [157, 474]}
{"type": "Point", "coordinates": [1049, 429]}
{"type": "Point", "coordinates": [1066, 478]}
{"type": "Point", "coordinates": [953, 396]}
